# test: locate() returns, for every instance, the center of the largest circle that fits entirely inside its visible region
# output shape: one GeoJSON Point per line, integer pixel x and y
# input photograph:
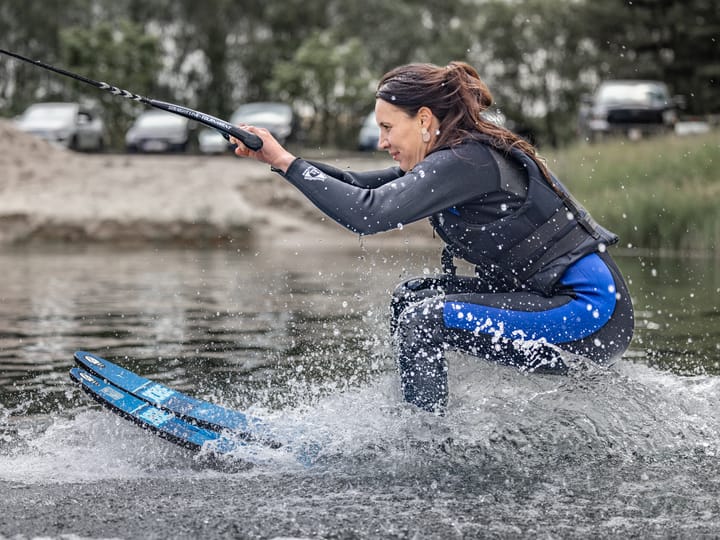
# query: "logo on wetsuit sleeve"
{"type": "Point", "coordinates": [314, 174]}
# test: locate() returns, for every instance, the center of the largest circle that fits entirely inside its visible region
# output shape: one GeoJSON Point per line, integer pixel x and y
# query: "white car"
{"type": "Point", "coordinates": [211, 141]}
{"type": "Point", "coordinates": [278, 118]}
{"type": "Point", "coordinates": [68, 124]}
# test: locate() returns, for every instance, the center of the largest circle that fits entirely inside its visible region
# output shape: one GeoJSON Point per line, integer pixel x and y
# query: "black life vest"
{"type": "Point", "coordinates": [530, 248]}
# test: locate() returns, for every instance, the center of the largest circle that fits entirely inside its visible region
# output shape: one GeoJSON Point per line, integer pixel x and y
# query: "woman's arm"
{"type": "Point", "coordinates": [369, 203]}
{"type": "Point", "coordinates": [365, 179]}
{"type": "Point", "coordinates": [442, 180]}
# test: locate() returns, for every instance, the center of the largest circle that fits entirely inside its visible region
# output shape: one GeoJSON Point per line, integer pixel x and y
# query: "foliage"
{"type": "Point", "coordinates": [538, 56]}
{"type": "Point", "coordinates": [331, 77]}
{"type": "Point", "coordinates": [677, 41]}
{"type": "Point", "coordinates": [535, 57]}
{"type": "Point", "coordinates": [33, 29]}
{"type": "Point", "coordinates": [110, 52]}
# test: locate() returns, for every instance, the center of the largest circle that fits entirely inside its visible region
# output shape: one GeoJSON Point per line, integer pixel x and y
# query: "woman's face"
{"type": "Point", "coordinates": [402, 136]}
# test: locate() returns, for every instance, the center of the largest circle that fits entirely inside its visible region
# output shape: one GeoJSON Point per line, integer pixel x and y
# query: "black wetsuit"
{"type": "Point", "coordinates": [544, 281]}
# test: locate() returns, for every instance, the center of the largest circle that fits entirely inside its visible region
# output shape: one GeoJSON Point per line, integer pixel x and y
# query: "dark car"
{"type": "Point", "coordinates": [628, 107]}
{"type": "Point", "coordinates": [160, 131]}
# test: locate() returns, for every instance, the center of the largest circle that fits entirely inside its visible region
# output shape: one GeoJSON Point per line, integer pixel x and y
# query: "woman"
{"type": "Point", "coordinates": [544, 282]}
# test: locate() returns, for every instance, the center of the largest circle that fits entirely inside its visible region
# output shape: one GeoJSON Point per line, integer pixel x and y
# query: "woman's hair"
{"type": "Point", "coordinates": [457, 97]}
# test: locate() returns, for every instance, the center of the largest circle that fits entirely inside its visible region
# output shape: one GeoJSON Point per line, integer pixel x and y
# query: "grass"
{"type": "Point", "coordinates": [661, 194]}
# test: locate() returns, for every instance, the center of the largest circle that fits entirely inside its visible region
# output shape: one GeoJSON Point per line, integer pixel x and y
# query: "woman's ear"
{"type": "Point", "coordinates": [425, 115]}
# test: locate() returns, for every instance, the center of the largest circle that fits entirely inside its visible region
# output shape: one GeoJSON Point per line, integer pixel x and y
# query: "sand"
{"type": "Point", "coordinates": [52, 195]}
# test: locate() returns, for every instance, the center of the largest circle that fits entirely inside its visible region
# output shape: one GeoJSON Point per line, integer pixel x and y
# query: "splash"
{"type": "Point", "coordinates": [497, 415]}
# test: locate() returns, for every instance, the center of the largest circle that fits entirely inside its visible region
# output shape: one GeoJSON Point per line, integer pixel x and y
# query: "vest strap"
{"type": "Point", "coordinates": [446, 260]}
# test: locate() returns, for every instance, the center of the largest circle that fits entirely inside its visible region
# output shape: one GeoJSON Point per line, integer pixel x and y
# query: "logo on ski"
{"type": "Point", "coordinates": [94, 361]}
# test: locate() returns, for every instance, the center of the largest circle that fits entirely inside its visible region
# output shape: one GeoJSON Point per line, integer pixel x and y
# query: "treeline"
{"type": "Point", "coordinates": [538, 56]}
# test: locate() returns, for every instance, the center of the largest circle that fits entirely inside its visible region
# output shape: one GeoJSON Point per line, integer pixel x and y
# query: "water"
{"type": "Point", "coordinates": [300, 339]}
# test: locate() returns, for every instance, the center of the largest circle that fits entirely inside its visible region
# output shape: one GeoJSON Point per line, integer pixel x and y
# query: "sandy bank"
{"type": "Point", "coordinates": [48, 194]}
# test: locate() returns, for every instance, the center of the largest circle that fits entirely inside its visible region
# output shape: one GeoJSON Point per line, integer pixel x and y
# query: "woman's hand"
{"type": "Point", "coordinates": [272, 152]}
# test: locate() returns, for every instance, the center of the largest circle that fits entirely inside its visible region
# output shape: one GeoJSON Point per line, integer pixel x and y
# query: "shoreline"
{"type": "Point", "coordinates": [50, 196]}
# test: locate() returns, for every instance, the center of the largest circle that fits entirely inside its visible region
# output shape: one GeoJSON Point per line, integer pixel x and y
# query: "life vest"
{"type": "Point", "coordinates": [530, 248]}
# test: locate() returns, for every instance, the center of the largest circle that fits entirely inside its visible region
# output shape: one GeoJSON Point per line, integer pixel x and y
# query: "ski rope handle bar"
{"type": "Point", "coordinates": [252, 141]}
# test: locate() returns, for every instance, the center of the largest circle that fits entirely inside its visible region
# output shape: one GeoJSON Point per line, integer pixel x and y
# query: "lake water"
{"type": "Point", "coordinates": [301, 340]}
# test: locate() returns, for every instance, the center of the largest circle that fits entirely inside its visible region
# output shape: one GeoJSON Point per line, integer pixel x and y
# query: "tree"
{"type": "Point", "coordinates": [535, 56]}
{"type": "Point", "coordinates": [121, 54]}
{"type": "Point", "coordinates": [332, 78]}
{"type": "Point", "coordinates": [677, 41]}
{"type": "Point", "coordinates": [33, 29]}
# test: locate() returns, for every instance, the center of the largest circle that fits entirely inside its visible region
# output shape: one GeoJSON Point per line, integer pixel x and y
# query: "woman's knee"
{"type": "Point", "coordinates": [422, 320]}
{"type": "Point", "coordinates": [409, 293]}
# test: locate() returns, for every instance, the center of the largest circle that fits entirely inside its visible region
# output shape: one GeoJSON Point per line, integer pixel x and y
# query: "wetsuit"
{"type": "Point", "coordinates": [544, 281]}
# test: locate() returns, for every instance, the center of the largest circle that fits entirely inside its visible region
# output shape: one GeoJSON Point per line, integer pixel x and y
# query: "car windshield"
{"type": "Point", "coordinates": [50, 112]}
{"type": "Point", "coordinates": [157, 119]}
{"type": "Point", "coordinates": [262, 112]}
{"type": "Point", "coordinates": [632, 93]}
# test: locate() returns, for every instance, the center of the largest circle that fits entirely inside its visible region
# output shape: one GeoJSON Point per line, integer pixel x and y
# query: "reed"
{"type": "Point", "coordinates": [661, 193]}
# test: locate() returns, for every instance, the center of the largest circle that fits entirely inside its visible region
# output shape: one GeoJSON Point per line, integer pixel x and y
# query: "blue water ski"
{"type": "Point", "coordinates": [202, 413]}
{"type": "Point", "coordinates": [162, 422]}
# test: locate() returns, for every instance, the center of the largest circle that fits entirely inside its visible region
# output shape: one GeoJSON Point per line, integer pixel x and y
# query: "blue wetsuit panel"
{"type": "Point", "coordinates": [591, 287]}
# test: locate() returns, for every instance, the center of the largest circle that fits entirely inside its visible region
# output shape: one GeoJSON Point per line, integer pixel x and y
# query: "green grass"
{"type": "Point", "coordinates": [660, 193]}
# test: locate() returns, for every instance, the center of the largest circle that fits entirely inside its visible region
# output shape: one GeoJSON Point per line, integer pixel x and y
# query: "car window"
{"type": "Point", "coordinates": [56, 112]}
{"type": "Point", "coordinates": [262, 112]}
{"type": "Point", "coordinates": [153, 119]}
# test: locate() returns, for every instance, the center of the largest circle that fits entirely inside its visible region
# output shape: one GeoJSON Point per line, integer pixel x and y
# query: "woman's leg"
{"type": "Point", "coordinates": [422, 338]}
{"type": "Point", "coordinates": [523, 329]}
{"type": "Point", "coordinates": [418, 329]}
{"type": "Point", "coordinates": [421, 359]}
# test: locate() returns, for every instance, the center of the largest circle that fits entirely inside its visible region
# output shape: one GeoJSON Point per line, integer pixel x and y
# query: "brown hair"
{"type": "Point", "coordinates": [457, 97]}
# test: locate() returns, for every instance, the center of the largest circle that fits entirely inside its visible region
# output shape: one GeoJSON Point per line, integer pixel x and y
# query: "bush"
{"type": "Point", "coordinates": [660, 193]}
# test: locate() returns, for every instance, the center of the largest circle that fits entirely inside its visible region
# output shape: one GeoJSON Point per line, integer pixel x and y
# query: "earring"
{"type": "Point", "coordinates": [425, 135]}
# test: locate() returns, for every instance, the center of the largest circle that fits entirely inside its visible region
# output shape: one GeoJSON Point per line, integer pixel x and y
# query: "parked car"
{"type": "Point", "coordinates": [68, 124]}
{"type": "Point", "coordinates": [160, 131]}
{"type": "Point", "coordinates": [369, 135]}
{"type": "Point", "coordinates": [628, 107]}
{"type": "Point", "coordinates": [278, 118]}
{"type": "Point", "coordinates": [211, 141]}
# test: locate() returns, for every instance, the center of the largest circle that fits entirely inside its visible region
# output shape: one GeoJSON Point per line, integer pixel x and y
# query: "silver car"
{"type": "Point", "coordinates": [67, 124]}
{"type": "Point", "coordinates": [628, 107]}
{"type": "Point", "coordinates": [160, 131]}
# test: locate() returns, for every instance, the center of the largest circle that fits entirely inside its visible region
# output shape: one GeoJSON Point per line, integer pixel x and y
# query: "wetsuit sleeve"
{"type": "Point", "coordinates": [445, 178]}
{"type": "Point", "coordinates": [367, 179]}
